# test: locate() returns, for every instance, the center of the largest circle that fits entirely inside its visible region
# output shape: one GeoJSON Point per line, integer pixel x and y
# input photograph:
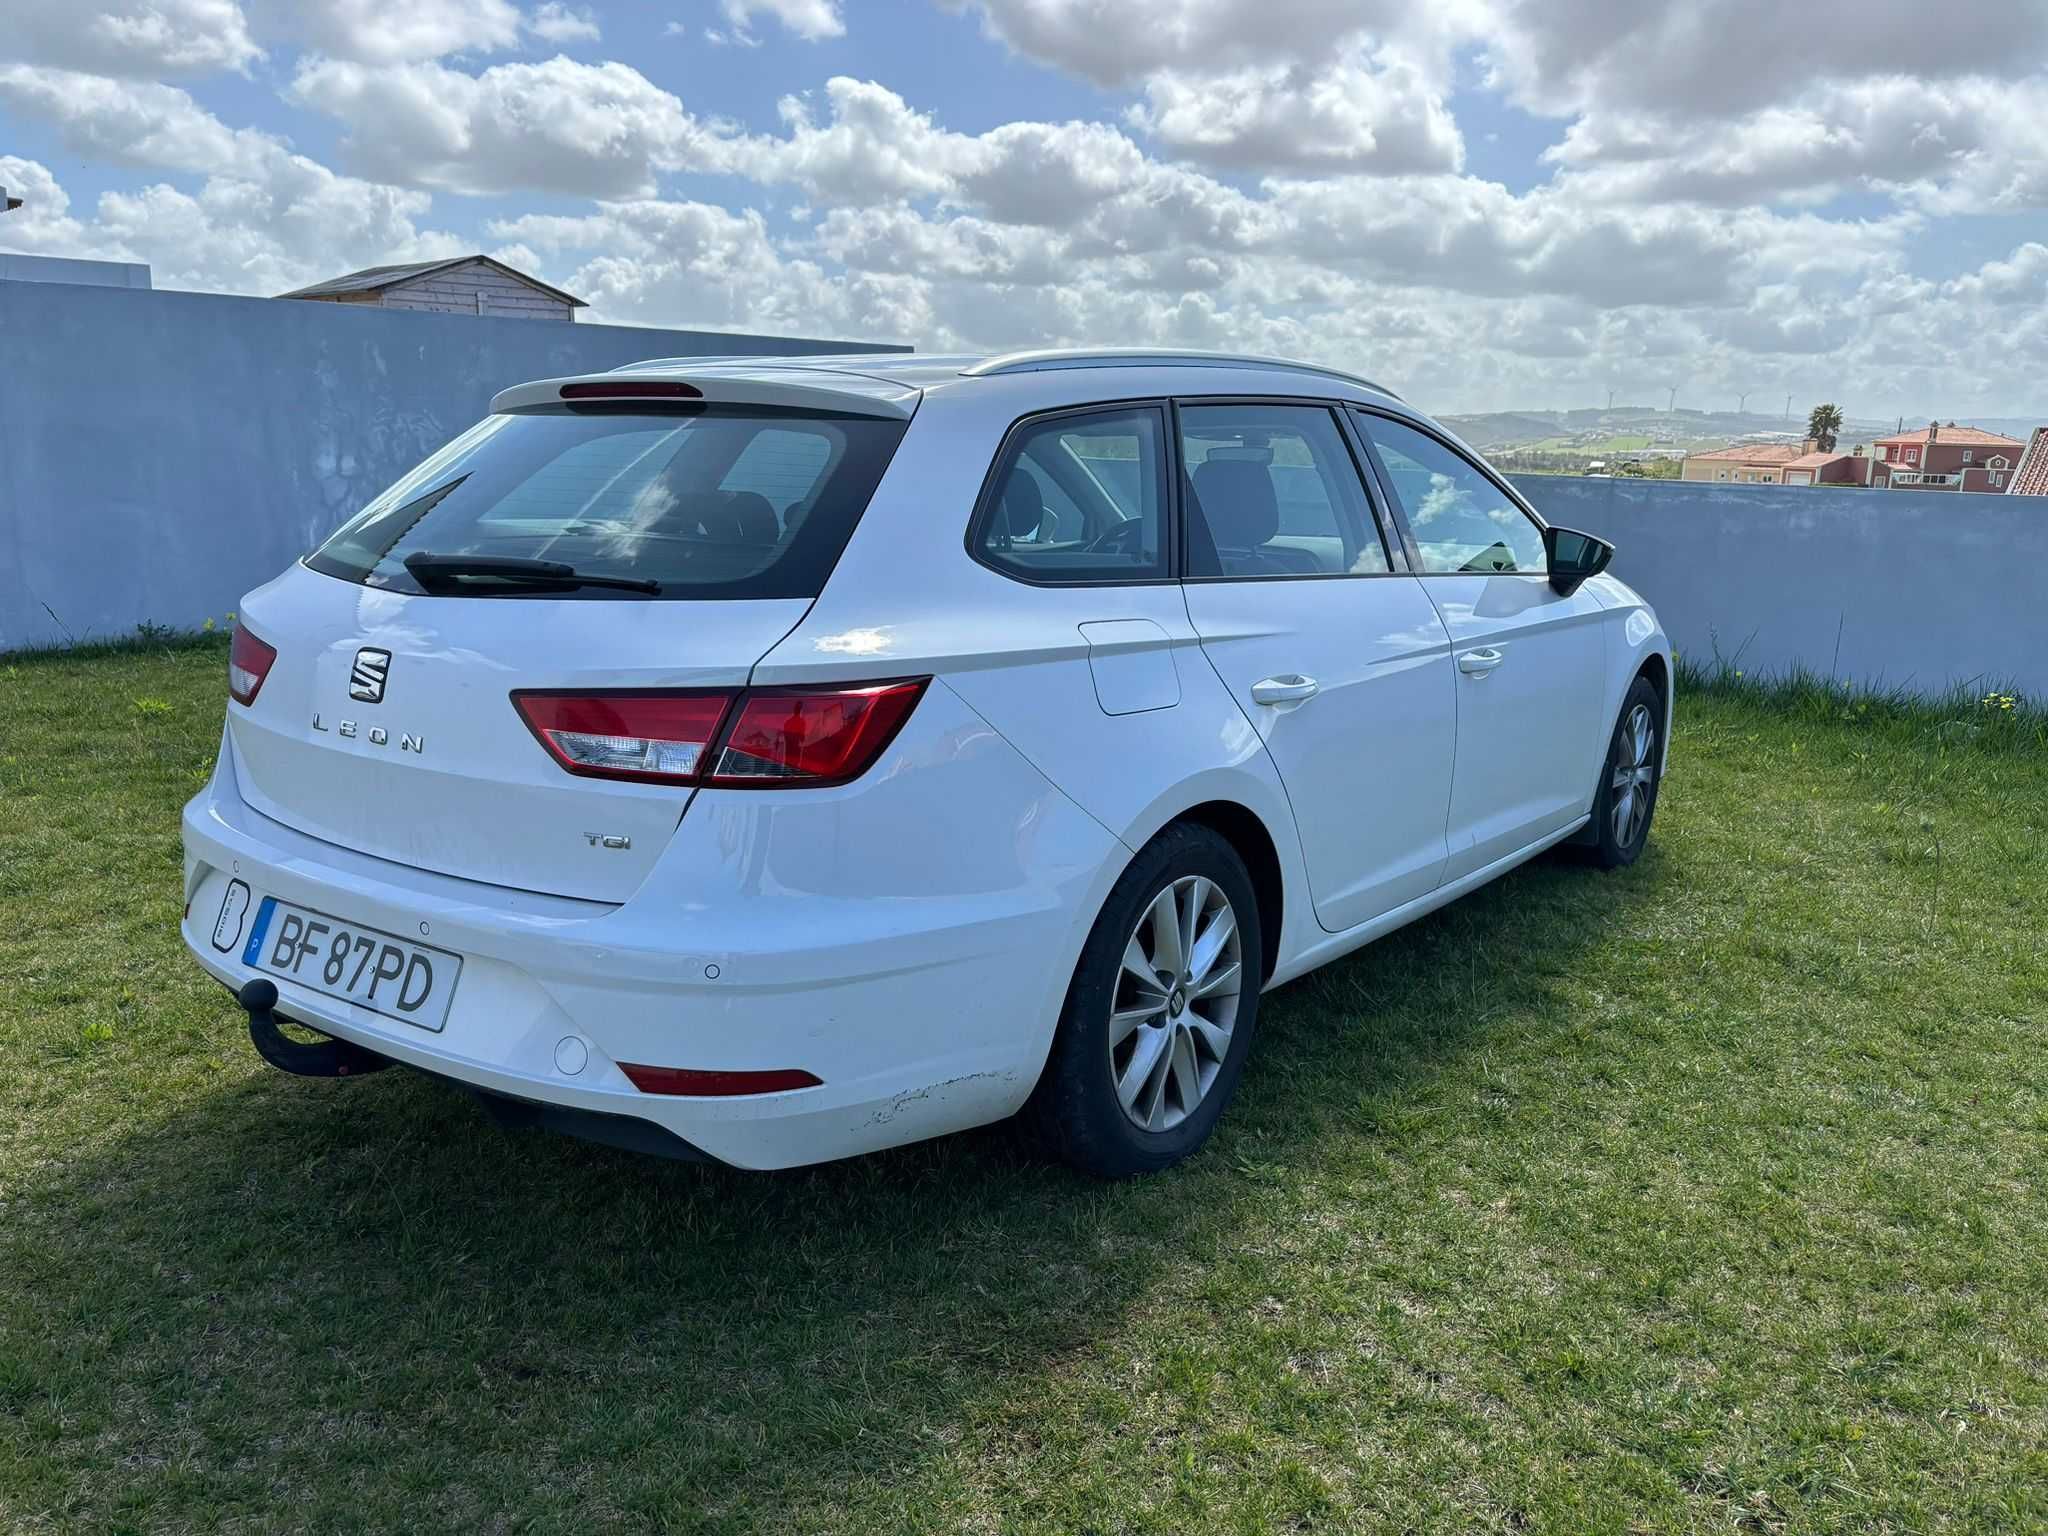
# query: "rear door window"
{"type": "Point", "coordinates": [1078, 497]}
{"type": "Point", "coordinates": [707, 502]}
{"type": "Point", "coordinates": [1272, 490]}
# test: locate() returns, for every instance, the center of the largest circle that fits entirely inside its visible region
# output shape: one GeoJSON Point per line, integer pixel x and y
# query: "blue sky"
{"type": "Point", "coordinates": [1491, 203]}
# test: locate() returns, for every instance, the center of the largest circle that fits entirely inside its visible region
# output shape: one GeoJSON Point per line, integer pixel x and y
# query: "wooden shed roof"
{"type": "Point", "coordinates": [376, 279]}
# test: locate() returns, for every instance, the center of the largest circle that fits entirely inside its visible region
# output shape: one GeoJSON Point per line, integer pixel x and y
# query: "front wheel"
{"type": "Point", "coordinates": [1160, 1013]}
{"type": "Point", "coordinates": [1627, 796]}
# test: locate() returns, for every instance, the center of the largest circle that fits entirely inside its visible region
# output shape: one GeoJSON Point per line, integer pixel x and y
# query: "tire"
{"type": "Point", "coordinates": [1630, 775]}
{"type": "Point", "coordinates": [1192, 1046]}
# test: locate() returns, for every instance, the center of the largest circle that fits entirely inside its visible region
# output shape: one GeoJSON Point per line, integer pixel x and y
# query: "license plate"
{"type": "Point", "coordinates": [402, 980]}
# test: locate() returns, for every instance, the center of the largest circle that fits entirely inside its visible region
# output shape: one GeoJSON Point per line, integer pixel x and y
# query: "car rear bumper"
{"type": "Point", "coordinates": [912, 959]}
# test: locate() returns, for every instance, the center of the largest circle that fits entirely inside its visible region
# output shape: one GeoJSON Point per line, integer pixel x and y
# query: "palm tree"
{"type": "Point", "coordinates": [1823, 426]}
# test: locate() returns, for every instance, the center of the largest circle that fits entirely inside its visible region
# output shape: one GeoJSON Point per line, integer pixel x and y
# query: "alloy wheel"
{"type": "Point", "coordinates": [1635, 771]}
{"type": "Point", "coordinates": [1175, 1003]}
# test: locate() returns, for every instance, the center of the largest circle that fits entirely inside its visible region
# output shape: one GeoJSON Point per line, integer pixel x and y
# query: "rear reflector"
{"type": "Point", "coordinates": [654, 738]}
{"type": "Point", "coordinates": [632, 389]}
{"type": "Point", "coordinates": [769, 738]}
{"type": "Point", "coordinates": [249, 662]}
{"type": "Point", "coordinates": [683, 1082]}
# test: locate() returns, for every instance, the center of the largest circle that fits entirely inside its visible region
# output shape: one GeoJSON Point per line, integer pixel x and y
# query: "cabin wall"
{"type": "Point", "coordinates": [475, 289]}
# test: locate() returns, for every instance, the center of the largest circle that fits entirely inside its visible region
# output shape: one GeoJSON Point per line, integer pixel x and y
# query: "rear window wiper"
{"type": "Point", "coordinates": [444, 573]}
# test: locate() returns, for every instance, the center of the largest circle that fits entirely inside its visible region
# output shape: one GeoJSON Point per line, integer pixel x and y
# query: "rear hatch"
{"type": "Point", "coordinates": [596, 550]}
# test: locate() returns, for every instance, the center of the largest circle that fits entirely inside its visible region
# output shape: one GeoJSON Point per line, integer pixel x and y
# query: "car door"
{"type": "Point", "coordinates": [1335, 654]}
{"type": "Point", "coordinates": [1529, 661]}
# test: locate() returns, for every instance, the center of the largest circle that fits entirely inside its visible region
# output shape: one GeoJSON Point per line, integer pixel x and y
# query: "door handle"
{"type": "Point", "coordinates": [1288, 688]}
{"type": "Point", "coordinates": [1479, 663]}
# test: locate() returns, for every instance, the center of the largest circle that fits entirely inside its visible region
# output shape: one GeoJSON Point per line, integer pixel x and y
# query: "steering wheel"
{"type": "Point", "coordinates": [1126, 538]}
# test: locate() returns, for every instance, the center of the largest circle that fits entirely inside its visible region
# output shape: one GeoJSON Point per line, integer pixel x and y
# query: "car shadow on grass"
{"type": "Point", "coordinates": [362, 1303]}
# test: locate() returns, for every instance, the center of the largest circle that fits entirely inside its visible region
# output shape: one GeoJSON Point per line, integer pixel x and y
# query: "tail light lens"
{"type": "Point", "coordinates": [812, 736]}
{"type": "Point", "coordinates": [249, 662]}
{"type": "Point", "coordinates": [654, 738]}
{"type": "Point", "coordinates": [780, 738]}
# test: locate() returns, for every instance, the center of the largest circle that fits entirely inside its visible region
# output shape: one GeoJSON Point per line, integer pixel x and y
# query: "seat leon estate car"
{"type": "Point", "coordinates": [772, 760]}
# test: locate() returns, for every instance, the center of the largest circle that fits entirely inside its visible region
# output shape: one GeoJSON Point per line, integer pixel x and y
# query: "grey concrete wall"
{"type": "Point", "coordinates": [162, 453]}
{"type": "Point", "coordinates": [1915, 589]}
{"type": "Point", "coordinates": [70, 269]}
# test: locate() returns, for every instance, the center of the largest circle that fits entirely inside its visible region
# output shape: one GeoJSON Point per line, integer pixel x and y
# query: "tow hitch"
{"type": "Point", "coordinates": [321, 1058]}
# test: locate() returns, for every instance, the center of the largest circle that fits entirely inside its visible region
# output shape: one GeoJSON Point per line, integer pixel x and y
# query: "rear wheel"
{"type": "Point", "coordinates": [1627, 796]}
{"type": "Point", "coordinates": [1160, 1013]}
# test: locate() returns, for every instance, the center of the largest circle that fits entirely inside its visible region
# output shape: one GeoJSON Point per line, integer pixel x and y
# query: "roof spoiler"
{"type": "Point", "coordinates": [856, 397]}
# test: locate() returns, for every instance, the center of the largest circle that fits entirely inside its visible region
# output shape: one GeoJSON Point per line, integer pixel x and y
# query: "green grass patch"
{"type": "Point", "coordinates": [1704, 1196]}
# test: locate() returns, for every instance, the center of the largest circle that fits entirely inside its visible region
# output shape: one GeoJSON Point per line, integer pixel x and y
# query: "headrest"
{"type": "Point", "coordinates": [1023, 504]}
{"type": "Point", "coordinates": [724, 517]}
{"type": "Point", "coordinates": [1238, 502]}
{"type": "Point", "coordinates": [753, 517]}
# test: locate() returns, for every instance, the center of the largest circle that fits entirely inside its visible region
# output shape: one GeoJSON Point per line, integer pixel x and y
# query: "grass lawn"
{"type": "Point", "coordinates": [1704, 1196]}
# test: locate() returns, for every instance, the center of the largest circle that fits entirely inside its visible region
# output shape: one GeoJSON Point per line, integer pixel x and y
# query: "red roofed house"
{"type": "Point", "coordinates": [2030, 478]}
{"type": "Point", "coordinates": [1949, 458]}
{"type": "Point", "coordinates": [1823, 468]}
{"type": "Point", "coordinates": [1774, 464]}
{"type": "Point", "coordinates": [1744, 463]}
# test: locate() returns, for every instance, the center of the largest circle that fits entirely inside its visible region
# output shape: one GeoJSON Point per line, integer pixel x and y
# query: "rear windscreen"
{"type": "Point", "coordinates": [706, 501]}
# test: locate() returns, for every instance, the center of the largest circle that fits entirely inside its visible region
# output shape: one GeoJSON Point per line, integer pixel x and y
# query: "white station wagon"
{"type": "Point", "coordinates": [771, 760]}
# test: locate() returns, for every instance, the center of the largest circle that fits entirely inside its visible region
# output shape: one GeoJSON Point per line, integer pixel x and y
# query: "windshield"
{"type": "Point", "coordinates": [705, 501]}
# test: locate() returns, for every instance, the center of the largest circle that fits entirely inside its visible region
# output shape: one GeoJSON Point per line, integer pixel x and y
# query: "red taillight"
{"type": "Point", "coordinates": [780, 738]}
{"type": "Point", "coordinates": [654, 738]}
{"type": "Point", "coordinates": [249, 661]}
{"type": "Point", "coordinates": [812, 736]}
{"type": "Point", "coordinates": [687, 1082]}
{"type": "Point", "coordinates": [631, 389]}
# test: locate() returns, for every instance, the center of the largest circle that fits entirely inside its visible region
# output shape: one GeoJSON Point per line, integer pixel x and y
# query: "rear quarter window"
{"type": "Point", "coordinates": [1078, 498]}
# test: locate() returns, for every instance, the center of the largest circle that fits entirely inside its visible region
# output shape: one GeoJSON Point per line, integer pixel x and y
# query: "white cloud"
{"type": "Point", "coordinates": [383, 32]}
{"type": "Point", "coordinates": [1276, 175]}
{"type": "Point", "coordinates": [158, 127]}
{"type": "Point", "coordinates": [1941, 107]}
{"type": "Point", "coordinates": [1960, 146]}
{"type": "Point", "coordinates": [1715, 58]}
{"type": "Point", "coordinates": [261, 220]}
{"type": "Point", "coordinates": [1285, 85]}
{"type": "Point", "coordinates": [811, 20]}
{"type": "Point", "coordinates": [43, 224]}
{"type": "Point", "coordinates": [693, 264]}
{"type": "Point", "coordinates": [558, 23]}
{"type": "Point", "coordinates": [141, 38]}
{"type": "Point", "coordinates": [296, 223]}
{"type": "Point", "coordinates": [874, 148]}
{"type": "Point", "coordinates": [1122, 44]}
{"type": "Point", "coordinates": [1364, 111]}
{"type": "Point", "coordinates": [600, 130]}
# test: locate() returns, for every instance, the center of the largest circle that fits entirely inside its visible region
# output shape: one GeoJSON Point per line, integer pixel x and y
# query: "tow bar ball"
{"type": "Point", "coordinates": [326, 1057]}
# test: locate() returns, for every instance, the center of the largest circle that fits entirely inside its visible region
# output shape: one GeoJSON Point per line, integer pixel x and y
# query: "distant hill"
{"type": "Point", "coordinates": [1498, 429]}
{"type": "Point", "coordinates": [1650, 431]}
{"type": "Point", "coordinates": [1646, 431]}
{"type": "Point", "coordinates": [2021, 427]}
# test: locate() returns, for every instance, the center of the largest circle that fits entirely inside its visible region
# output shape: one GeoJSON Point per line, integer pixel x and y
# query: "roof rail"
{"type": "Point", "coordinates": [1142, 357]}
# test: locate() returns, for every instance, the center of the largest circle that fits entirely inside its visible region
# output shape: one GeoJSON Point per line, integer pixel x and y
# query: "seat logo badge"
{"type": "Point", "coordinates": [607, 840]}
{"type": "Point", "coordinates": [367, 677]}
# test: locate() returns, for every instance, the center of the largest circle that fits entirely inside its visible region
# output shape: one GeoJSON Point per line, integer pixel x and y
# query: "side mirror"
{"type": "Point", "coordinates": [1574, 557]}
